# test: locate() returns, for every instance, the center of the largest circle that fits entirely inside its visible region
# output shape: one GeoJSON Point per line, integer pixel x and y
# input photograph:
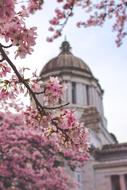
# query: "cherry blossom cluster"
{"type": "Point", "coordinates": [10, 88]}
{"type": "Point", "coordinates": [28, 159]}
{"type": "Point", "coordinates": [62, 128]}
{"type": "Point", "coordinates": [13, 28]}
{"type": "Point", "coordinates": [53, 90]}
{"type": "Point", "coordinates": [4, 69]}
{"type": "Point", "coordinates": [34, 5]}
{"type": "Point", "coordinates": [95, 14]}
{"type": "Point", "coordinates": [37, 141]}
{"type": "Point", "coordinates": [7, 10]}
{"type": "Point", "coordinates": [35, 145]}
{"type": "Point", "coordinates": [31, 157]}
{"type": "Point", "coordinates": [60, 19]}
{"type": "Point", "coordinates": [68, 119]}
{"type": "Point", "coordinates": [105, 10]}
{"type": "Point", "coordinates": [98, 14]}
{"type": "Point", "coordinates": [73, 135]}
{"type": "Point", "coordinates": [18, 35]}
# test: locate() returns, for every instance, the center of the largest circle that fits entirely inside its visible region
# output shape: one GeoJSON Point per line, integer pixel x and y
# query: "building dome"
{"type": "Point", "coordinates": [66, 61]}
{"type": "Point", "coordinates": [82, 91]}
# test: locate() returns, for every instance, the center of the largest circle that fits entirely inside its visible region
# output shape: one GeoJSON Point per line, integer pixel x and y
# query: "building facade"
{"type": "Point", "coordinates": [107, 166]}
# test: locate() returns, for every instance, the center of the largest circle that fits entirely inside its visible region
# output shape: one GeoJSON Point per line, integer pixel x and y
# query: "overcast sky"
{"type": "Point", "coordinates": [97, 48]}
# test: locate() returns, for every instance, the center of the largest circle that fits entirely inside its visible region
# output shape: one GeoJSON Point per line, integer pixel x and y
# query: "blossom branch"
{"type": "Point", "coordinates": [61, 15]}
{"type": "Point", "coordinates": [104, 10]}
{"type": "Point", "coordinates": [40, 107]}
{"type": "Point", "coordinates": [5, 57]}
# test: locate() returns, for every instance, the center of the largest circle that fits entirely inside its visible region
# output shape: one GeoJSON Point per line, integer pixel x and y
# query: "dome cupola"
{"type": "Point", "coordinates": [83, 87]}
{"type": "Point", "coordinates": [83, 91]}
{"type": "Point", "coordinates": [66, 62]}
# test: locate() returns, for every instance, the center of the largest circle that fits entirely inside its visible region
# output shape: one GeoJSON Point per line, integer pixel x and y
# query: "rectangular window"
{"type": "Point", "coordinates": [115, 181]}
{"type": "Point", "coordinates": [73, 93]}
{"type": "Point", "coordinates": [87, 95]}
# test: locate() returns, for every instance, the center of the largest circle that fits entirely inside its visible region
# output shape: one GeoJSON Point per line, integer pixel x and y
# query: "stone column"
{"type": "Point", "coordinates": [91, 95]}
{"type": "Point", "coordinates": [97, 100]}
{"type": "Point", "coordinates": [84, 94]}
{"type": "Point", "coordinates": [69, 92]}
{"type": "Point", "coordinates": [122, 183]}
{"type": "Point", "coordinates": [79, 94]}
{"type": "Point", "coordinates": [96, 96]}
{"type": "Point", "coordinates": [66, 92]}
{"type": "Point", "coordinates": [100, 104]}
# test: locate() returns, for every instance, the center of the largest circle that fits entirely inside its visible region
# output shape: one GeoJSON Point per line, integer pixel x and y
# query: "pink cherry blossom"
{"type": "Point", "coordinates": [35, 141]}
{"type": "Point", "coordinates": [6, 10]}
{"type": "Point", "coordinates": [31, 158]}
{"type": "Point", "coordinates": [34, 5]}
{"type": "Point", "coordinates": [53, 90]}
{"type": "Point", "coordinates": [4, 69]}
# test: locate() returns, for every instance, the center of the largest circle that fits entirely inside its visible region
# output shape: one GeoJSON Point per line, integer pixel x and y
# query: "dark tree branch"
{"type": "Point", "coordinates": [56, 107]}
{"type": "Point", "coordinates": [23, 81]}
{"type": "Point", "coordinates": [2, 59]}
{"type": "Point", "coordinates": [3, 46]}
{"type": "Point", "coordinates": [39, 92]}
{"type": "Point", "coordinates": [38, 104]}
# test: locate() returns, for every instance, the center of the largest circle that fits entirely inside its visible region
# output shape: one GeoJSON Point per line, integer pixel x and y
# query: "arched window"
{"type": "Point", "coordinates": [73, 93]}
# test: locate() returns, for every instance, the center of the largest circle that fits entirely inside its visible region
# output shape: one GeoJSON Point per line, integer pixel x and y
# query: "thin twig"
{"type": "Point", "coordinates": [2, 59]}
{"type": "Point", "coordinates": [56, 107]}
{"type": "Point", "coordinates": [39, 92]}
{"type": "Point", "coordinates": [38, 104]}
{"type": "Point", "coordinates": [67, 18]}
{"type": "Point", "coordinates": [3, 46]}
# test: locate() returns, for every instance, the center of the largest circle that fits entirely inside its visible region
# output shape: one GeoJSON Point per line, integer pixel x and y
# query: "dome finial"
{"type": "Point", "coordinates": [65, 38]}
{"type": "Point", "coordinates": [65, 46]}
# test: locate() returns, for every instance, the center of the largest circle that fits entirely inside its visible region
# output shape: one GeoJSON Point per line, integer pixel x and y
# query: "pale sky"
{"type": "Point", "coordinates": [96, 46]}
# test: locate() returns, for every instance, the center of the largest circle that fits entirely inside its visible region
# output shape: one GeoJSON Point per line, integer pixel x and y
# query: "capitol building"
{"type": "Point", "coordinates": [107, 167]}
